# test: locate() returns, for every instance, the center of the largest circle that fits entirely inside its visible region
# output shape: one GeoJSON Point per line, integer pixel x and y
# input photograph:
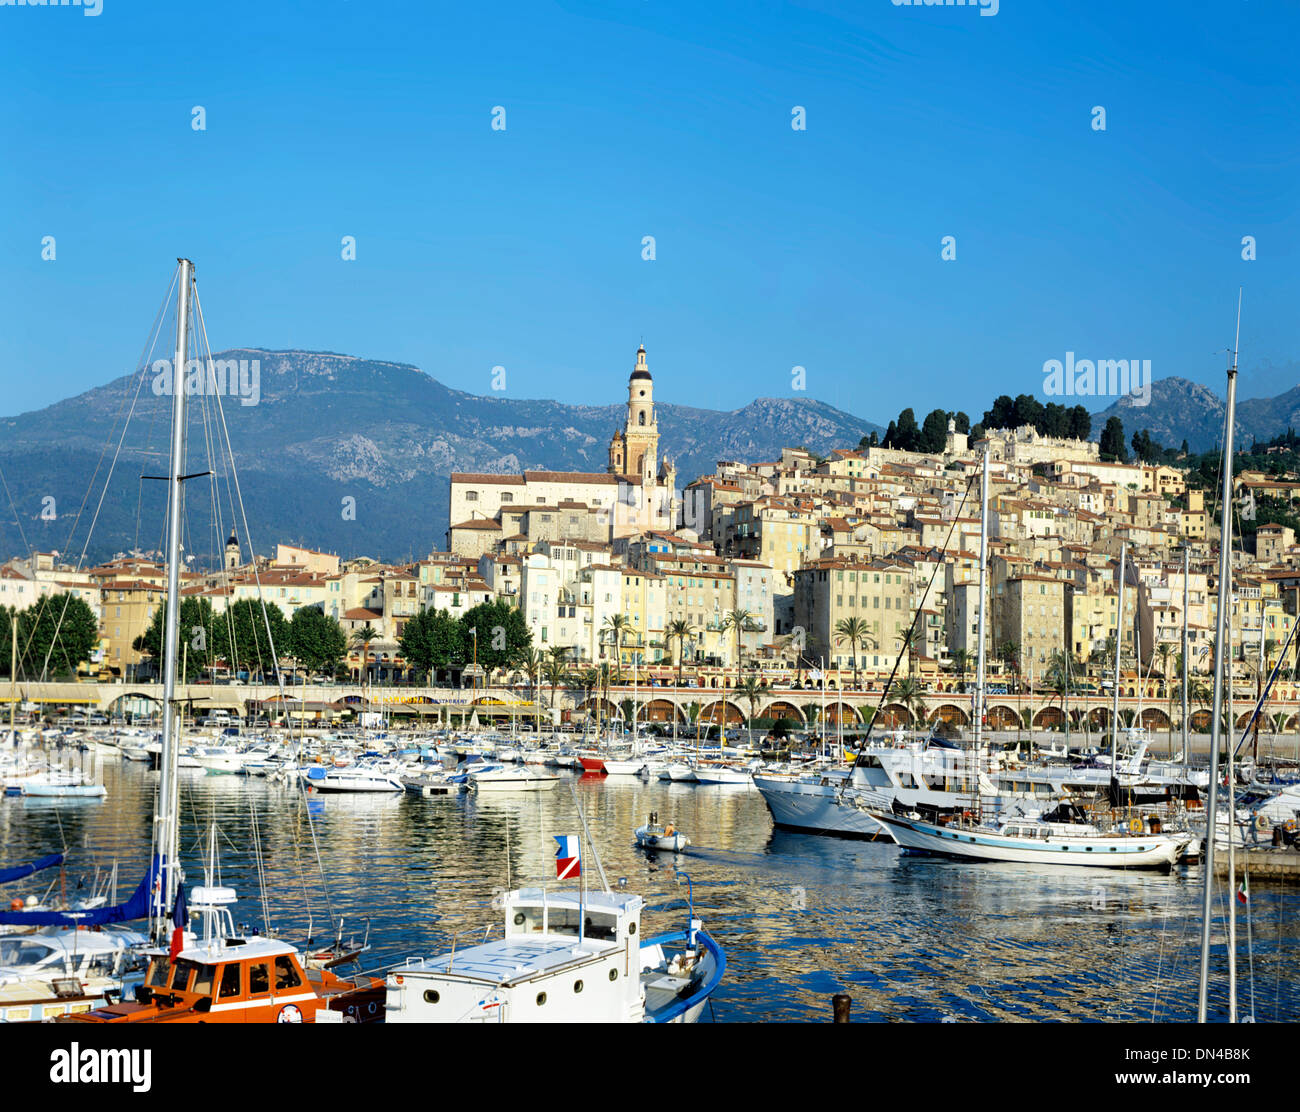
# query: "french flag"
{"type": "Point", "coordinates": [568, 858]}
{"type": "Point", "coordinates": [179, 917]}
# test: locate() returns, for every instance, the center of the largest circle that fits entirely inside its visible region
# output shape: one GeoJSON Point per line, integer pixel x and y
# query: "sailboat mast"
{"type": "Point", "coordinates": [168, 834]}
{"type": "Point", "coordinates": [1220, 644]}
{"type": "Point", "coordinates": [983, 600]}
{"type": "Point", "coordinates": [1186, 659]}
{"type": "Point", "coordinates": [1119, 645]}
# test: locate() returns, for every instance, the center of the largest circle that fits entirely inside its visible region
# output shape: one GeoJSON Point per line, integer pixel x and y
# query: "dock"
{"type": "Point", "coordinates": [1265, 862]}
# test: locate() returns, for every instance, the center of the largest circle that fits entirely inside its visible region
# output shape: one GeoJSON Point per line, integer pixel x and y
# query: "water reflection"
{"type": "Point", "coordinates": [801, 917]}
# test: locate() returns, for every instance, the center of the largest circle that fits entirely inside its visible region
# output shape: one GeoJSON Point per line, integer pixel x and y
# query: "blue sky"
{"type": "Point", "coordinates": [626, 118]}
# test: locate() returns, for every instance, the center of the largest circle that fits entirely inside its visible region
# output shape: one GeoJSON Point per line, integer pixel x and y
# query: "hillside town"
{"type": "Point", "coordinates": [853, 566]}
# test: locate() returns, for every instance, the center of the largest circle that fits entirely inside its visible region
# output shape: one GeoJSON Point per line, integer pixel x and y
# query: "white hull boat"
{"type": "Point", "coordinates": [513, 779]}
{"type": "Point", "coordinates": [655, 836]}
{"type": "Point", "coordinates": [1026, 842]}
{"type": "Point", "coordinates": [624, 768]}
{"type": "Point", "coordinates": [549, 968]}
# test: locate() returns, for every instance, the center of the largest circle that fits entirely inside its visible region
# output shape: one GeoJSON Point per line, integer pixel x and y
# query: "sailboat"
{"type": "Point", "coordinates": [1060, 837]}
{"type": "Point", "coordinates": [222, 976]}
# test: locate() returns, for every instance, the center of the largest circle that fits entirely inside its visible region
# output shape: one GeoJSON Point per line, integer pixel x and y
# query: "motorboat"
{"type": "Point", "coordinates": [509, 778]}
{"type": "Point", "coordinates": [566, 957]}
{"type": "Point", "coordinates": [221, 976]}
{"type": "Point", "coordinates": [654, 835]}
{"type": "Point", "coordinates": [55, 972]}
{"type": "Point", "coordinates": [353, 779]}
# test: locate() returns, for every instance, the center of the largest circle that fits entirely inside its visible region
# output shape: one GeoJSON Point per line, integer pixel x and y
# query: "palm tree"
{"type": "Point", "coordinates": [361, 639]}
{"type": "Point", "coordinates": [555, 670]}
{"type": "Point", "coordinates": [605, 676]}
{"type": "Point", "coordinates": [530, 661]}
{"type": "Point", "coordinates": [855, 631]}
{"type": "Point", "coordinates": [679, 630]}
{"type": "Point", "coordinates": [588, 680]}
{"type": "Point", "coordinates": [960, 661]}
{"type": "Point", "coordinates": [615, 626]}
{"type": "Point", "coordinates": [1009, 654]}
{"type": "Point", "coordinates": [739, 620]}
{"type": "Point", "coordinates": [1057, 680]}
{"type": "Point", "coordinates": [912, 640]}
{"type": "Point", "coordinates": [751, 689]}
{"type": "Point", "coordinates": [908, 692]}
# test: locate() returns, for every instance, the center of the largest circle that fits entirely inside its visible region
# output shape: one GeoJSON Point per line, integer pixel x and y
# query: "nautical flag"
{"type": "Point", "coordinates": [568, 858]}
{"type": "Point", "coordinates": [179, 917]}
{"type": "Point", "coordinates": [1243, 892]}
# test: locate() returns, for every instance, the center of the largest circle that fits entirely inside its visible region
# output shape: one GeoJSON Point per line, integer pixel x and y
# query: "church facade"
{"type": "Point", "coordinates": [635, 493]}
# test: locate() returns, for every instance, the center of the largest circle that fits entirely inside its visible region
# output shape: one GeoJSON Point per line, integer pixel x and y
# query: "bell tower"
{"type": "Point", "coordinates": [634, 449]}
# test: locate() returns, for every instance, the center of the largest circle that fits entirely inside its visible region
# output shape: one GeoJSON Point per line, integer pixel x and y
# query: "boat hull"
{"type": "Point", "coordinates": [1152, 851]}
{"type": "Point", "coordinates": [814, 808]}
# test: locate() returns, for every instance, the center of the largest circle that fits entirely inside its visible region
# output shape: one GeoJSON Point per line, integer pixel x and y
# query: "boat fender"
{"type": "Point", "coordinates": [1135, 826]}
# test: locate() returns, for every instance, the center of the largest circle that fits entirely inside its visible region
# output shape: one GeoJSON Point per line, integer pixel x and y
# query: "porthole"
{"type": "Point", "coordinates": [541, 999]}
{"type": "Point", "coordinates": [577, 986]}
{"type": "Point", "coordinates": [519, 918]}
{"type": "Point", "coordinates": [631, 928]}
{"type": "Point", "coordinates": [431, 996]}
{"type": "Point", "coordinates": [613, 974]}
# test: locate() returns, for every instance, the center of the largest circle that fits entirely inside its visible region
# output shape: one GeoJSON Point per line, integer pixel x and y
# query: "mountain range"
{"type": "Point", "coordinates": [326, 428]}
{"type": "Point", "coordinates": [1184, 410]}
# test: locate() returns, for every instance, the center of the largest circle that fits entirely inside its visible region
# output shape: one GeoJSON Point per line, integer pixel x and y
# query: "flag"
{"type": "Point", "coordinates": [179, 917]}
{"type": "Point", "coordinates": [1243, 892]}
{"type": "Point", "coordinates": [568, 858]}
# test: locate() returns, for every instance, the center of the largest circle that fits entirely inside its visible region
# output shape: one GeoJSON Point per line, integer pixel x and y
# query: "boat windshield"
{"type": "Point", "coordinates": [15, 954]}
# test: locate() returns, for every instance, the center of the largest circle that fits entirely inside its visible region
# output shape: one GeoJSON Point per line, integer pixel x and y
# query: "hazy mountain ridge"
{"type": "Point", "coordinates": [328, 426]}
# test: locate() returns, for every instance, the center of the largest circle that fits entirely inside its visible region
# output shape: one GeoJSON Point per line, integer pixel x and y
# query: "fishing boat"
{"type": "Point", "coordinates": [656, 836]}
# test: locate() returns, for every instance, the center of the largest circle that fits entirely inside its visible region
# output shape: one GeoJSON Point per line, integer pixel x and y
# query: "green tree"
{"type": "Point", "coordinates": [908, 692]}
{"type": "Point", "coordinates": [55, 635]}
{"type": "Point", "coordinates": [740, 620]}
{"type": "Point", "coordinates": [934, 431]}
{"type": "Point", "coordinates": [360, 640]}
{"type": "Point", "coordinates": [6, 638]}
{"type": "Point", "coordinates": [1111, 444]}
{"type": "Point", "coordinates": [241, 638]}
{"type": "Point", "coordinates": [751, 689]}
{"type": "Point", "coordinates": [555, 669]}
{"type": "Point", "coordinates": [317, 640]}
{"type": "Point", "coordinates": [196, 629]}
{"type": "Point", "coordinates": [500, 631]}
{"type": "Point", "coordinates": [959, 660]}
{"type": "Point", "coordinates": [616, 625]}
{"type": "Point", "coordinates": [856, 631]}
{"type": "Point", "coordinates": [679, 630]}
{"type": "Point", "coordinates": [433, 639]}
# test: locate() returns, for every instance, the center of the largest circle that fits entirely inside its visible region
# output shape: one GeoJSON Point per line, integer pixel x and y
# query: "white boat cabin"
{"type": "Point", "coordinates": [540, 972]}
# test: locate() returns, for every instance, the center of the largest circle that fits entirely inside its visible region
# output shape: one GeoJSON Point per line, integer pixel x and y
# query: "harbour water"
{"type": "Point", "coordinates": [801, 917]}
